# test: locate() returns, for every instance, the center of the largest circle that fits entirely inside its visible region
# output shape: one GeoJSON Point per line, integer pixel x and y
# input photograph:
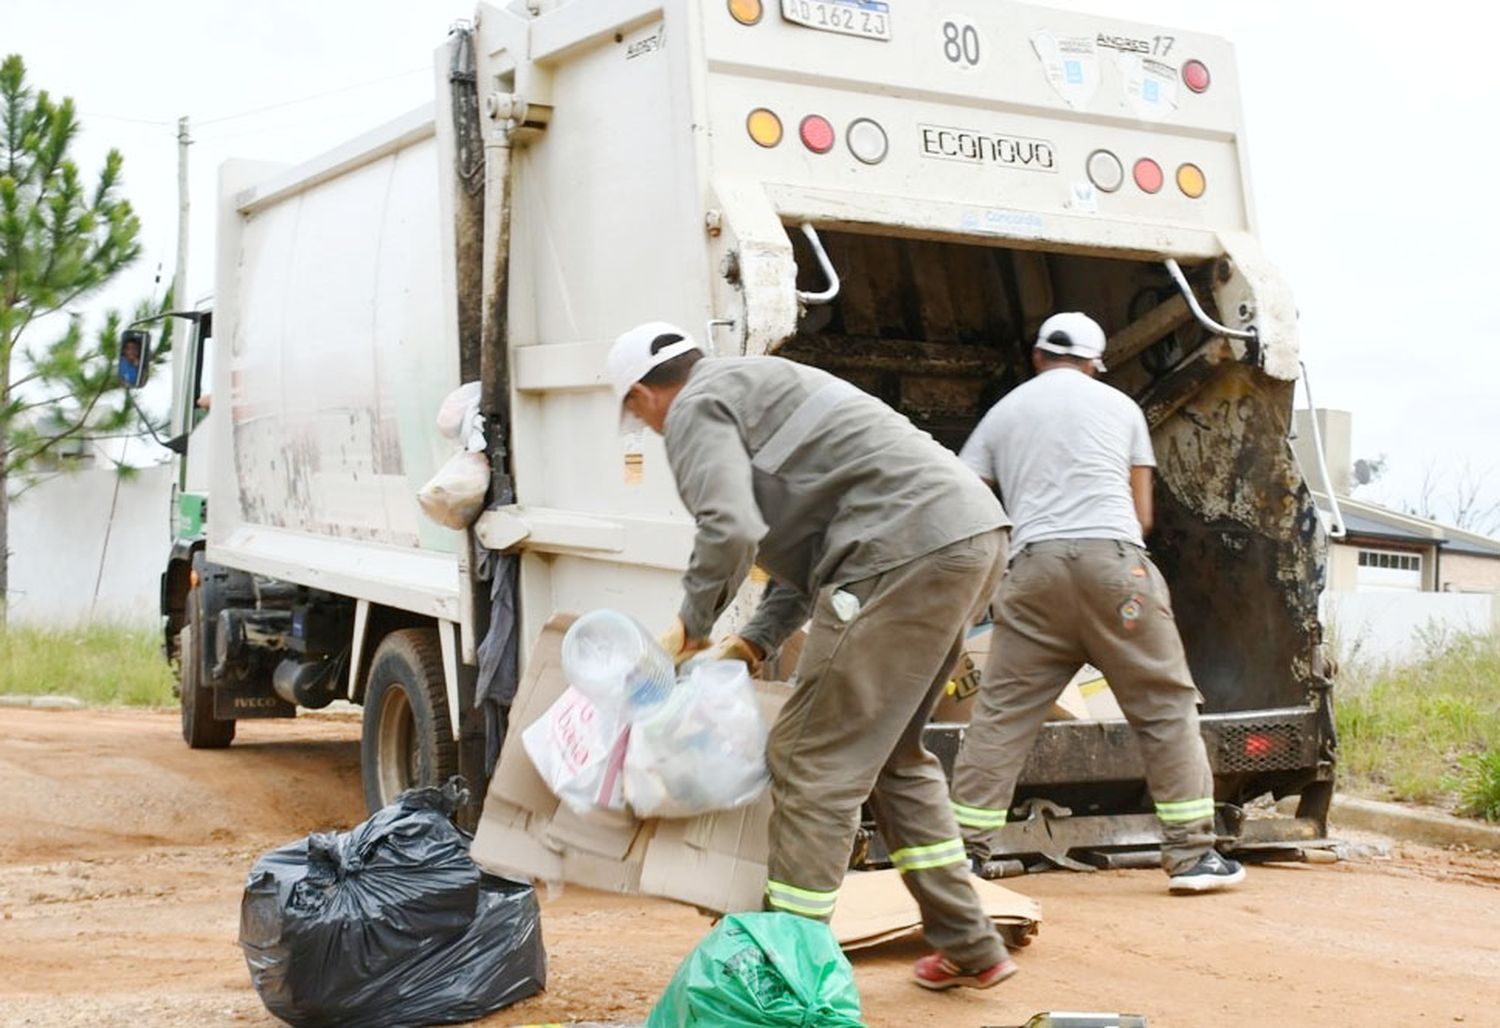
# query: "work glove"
{"type": "Point", "coordinates": [735, 647]}
{"type": "Point", "coordinates": [677, 644]}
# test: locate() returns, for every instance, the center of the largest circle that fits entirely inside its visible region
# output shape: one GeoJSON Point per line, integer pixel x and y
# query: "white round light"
{"type": "Point", "coordinates": [867, 141]}
{"type": "Point", "coordinates": [1105, 171]}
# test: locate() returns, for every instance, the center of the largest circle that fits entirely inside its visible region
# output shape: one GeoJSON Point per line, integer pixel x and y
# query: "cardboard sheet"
{"type": "Point", "coordinates": [716, 862]}
{"type": "Point", "coordinates": [874, 907]}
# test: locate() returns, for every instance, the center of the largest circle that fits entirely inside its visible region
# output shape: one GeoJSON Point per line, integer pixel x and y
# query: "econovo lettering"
{"type": "Point", "coordinates": [946, 143]}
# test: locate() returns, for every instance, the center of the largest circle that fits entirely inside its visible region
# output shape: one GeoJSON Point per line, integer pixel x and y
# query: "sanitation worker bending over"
{"type": "Point", "coordinates": [892, 546]}
{"type": "Point", "coordinates": [1072, 458]}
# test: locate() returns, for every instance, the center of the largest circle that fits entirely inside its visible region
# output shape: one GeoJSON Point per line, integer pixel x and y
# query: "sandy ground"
{"type": "Point", "coordinates": [122, 857]}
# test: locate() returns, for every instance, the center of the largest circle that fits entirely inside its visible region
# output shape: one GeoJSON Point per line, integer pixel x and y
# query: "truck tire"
{"type": "Point", "coordinates": [407, 741]}
{"type": "Point", "coordinates": [200, 730]}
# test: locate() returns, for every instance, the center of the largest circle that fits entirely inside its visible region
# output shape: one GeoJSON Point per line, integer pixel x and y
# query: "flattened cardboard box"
{"type": "Point", "coordinates": [716, 861]}
{"type": "Point", "coordinates": [874, 907]}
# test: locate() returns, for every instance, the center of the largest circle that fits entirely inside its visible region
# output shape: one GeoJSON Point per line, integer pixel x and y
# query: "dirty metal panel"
{"type": "Point", "coordinates": [1239, 541]}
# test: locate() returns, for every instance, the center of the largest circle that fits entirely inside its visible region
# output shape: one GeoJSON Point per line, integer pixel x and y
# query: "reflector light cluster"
{"type": "Point", "coordinates": [865, 138]}
{"type": "Point", "coordinates": [1107, 174]}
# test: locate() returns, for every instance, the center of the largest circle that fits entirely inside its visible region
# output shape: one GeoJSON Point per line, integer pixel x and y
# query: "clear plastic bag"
{"type": "Point", "coordinates": [578, 747]}
{"type": "Point", "coordinates": [455, 495]}
{"type": "Point", "coordinates": [702, 749]}
{"type": "Point", "coordinates": [458, 417]}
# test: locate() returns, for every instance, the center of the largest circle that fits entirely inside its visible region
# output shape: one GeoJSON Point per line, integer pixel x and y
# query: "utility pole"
{"type": "Point", "coordinates": [180, 299]}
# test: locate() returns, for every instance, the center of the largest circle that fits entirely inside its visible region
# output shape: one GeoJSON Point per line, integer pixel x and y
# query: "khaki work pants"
{"type": "Point", "coordinates": [875, 661]}
{"type": "Point", "coordinates": [1062, 603]}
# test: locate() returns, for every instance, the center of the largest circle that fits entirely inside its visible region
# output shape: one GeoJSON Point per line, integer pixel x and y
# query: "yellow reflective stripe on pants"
{"type": "Point", "coordinates": [938, 854]}
{"type": "Point", "coordinates": [978, 817]}
{"type": "Point", "coordinates": [801, 901]}
{"type": "Point", "coordinates": [1186, 810]}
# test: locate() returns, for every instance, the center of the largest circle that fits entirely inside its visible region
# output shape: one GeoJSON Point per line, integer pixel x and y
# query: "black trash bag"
{"type": "Point", "coordinates": [389, 923]}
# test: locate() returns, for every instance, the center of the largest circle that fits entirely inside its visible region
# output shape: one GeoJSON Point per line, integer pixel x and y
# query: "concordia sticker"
{"type": "Point", "coordinates": [946, 143]}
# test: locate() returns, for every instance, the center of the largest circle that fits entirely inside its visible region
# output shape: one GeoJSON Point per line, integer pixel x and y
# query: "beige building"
{"type": "Point", "coordinates": [1385, 551]}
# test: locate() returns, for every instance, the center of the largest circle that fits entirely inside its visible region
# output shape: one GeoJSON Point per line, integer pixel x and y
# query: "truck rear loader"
{"type": "Point", "coordinates": [896, 192]}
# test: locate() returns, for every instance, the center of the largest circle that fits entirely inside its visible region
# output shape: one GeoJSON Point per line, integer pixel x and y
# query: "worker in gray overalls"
{"type": "Point", "coordinates": [1072, 459]}
{"type": "Point", "coordinates": [879, 535]}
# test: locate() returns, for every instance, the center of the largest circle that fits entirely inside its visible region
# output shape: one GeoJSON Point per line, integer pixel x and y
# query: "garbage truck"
{"type": "Point", "coordinates": [896, 192]}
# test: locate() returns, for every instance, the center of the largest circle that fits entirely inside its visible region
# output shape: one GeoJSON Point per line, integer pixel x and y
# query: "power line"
{"type": "Point", "coordinates": [199, 123]}
{"type": "Point", "coordinates": [121, 117]}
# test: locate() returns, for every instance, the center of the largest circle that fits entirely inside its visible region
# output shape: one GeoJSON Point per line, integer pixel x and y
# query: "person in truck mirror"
{"type": "Point", "coordinates": [130, 361]}
{"type": "Point", "coordinates": [891, 545]}
{"type": "Point", "coordinates": [1072, 458]}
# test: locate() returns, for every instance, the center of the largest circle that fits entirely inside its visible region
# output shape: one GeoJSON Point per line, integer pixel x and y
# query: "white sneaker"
{"type": "Point", "coordinates": [1210, 874]}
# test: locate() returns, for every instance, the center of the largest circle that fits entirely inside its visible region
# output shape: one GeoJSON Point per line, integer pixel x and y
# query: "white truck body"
{"type": "Point", "coordinates": [336, 346]}
{"type": "Point", "coordinates": [619, 137]}
{"type": "Point", "coordinates": [334, 293]}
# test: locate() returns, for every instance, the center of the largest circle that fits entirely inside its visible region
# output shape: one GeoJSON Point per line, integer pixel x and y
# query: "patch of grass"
{"type": "Point", "coordinates": [1427, 731]}
{"type": "Point", "coordinates": [1478, 784]}
{"type": "Point", "coordinates": [98, 664]}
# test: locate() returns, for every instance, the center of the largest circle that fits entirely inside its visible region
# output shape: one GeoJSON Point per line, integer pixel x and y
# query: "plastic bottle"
{"type": "Point", "coordinates": [615, 662]}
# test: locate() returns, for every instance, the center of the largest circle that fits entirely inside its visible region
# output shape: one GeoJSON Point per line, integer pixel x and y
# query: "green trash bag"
{"type": "Point", "coordinates": [757, 970]}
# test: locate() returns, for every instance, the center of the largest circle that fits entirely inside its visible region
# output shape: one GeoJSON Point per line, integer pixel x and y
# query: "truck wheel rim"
{"type": "Point", "coordinates": [398, 751]}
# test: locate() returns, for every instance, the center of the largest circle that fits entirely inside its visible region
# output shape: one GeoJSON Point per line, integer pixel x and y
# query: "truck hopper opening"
{"type": "Point", "coordinates": [941, 330]}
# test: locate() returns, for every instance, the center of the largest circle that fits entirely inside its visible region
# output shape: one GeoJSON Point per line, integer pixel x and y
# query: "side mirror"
{"type": "Point", "coordinates": [135, 357]}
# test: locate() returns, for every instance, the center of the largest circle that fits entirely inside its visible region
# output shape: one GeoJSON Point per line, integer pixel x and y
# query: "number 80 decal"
{"type": "Point", "coordinates": [960, 42]}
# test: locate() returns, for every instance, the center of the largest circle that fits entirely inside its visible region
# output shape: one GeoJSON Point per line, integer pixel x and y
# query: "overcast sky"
{"type": "Point", "coordinates": [1372, 141]}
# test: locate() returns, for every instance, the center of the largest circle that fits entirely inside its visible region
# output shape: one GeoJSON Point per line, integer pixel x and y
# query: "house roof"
{"type": "Point", "coordinates": [1469, 542]}
{"type": "Point", "coordinates": [1371, 520]}
{"type": "Point", "coordinates": [1360, 525]}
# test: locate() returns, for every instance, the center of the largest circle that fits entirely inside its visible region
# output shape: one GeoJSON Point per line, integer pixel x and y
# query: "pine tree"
{"type": "Point", "coordinates": [60, 240]}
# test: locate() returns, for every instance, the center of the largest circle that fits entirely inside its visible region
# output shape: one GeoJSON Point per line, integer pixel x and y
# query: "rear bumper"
{"type": "Point", "coordinates": [1083, 791]}
{"type": "Point", "coordinates": [1082, 752]}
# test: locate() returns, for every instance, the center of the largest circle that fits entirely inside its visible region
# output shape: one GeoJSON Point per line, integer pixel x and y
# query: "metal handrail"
{"type": "Point", "coordinates": [827, 295]}
{"type": "Point", "coordinates": [1337, 530]}
{"type": "Point", "coordinates": [1198, 311]}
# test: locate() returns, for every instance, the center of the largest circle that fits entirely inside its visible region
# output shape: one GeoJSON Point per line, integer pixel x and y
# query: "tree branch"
{"type": "Point", "coordinates": [12, 467]}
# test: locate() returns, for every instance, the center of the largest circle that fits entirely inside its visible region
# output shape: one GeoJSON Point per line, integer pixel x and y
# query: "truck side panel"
{"type": "Point", "coordinates": [336, 347]}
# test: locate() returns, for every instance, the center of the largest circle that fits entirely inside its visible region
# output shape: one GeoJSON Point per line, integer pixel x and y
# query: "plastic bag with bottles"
{"type": "Point", "coordinates": [629, 732]}
{"type": "Point", "coordinates": [702, 749]}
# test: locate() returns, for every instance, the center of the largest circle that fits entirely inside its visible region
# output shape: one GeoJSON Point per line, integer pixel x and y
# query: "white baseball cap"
{"type": "Point", "coordinates": [1072, 334]}
{"type": "Point", "coordinates": [630, 360]}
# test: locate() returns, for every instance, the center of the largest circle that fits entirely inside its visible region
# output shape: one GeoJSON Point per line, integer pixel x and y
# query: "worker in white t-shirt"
{"type": "Point", "coordinates": [1072, 459]}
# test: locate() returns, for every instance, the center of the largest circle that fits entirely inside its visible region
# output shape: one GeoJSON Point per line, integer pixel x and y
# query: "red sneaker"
{"type": "Point", "coordinates": [938, 972]}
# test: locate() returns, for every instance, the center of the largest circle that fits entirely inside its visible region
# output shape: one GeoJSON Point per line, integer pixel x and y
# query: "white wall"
{"type": "Point", "coordinates": [58, 543]}
{"type": "Point", "coordinates": [1395, 625]}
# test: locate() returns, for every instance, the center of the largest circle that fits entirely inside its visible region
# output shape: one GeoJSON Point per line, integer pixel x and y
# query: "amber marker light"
{"type": "Point", "coordinates": [1191, 181]}
{"type": "Point", "coordinates": [764, 127]}
{"type": "Point", "coordinates": [746, 12]}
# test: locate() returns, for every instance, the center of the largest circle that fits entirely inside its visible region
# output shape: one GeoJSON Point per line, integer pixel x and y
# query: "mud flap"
{"type": "Point", "coordinates": [240, 700]}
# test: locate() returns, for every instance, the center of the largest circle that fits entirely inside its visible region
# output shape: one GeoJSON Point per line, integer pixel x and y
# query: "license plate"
{"type": "Point", "coordinates": [868, 19]}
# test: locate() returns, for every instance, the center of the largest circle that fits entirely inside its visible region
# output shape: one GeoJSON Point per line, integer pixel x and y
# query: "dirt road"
{"type": "Point", "coordinates": [122, 856]}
